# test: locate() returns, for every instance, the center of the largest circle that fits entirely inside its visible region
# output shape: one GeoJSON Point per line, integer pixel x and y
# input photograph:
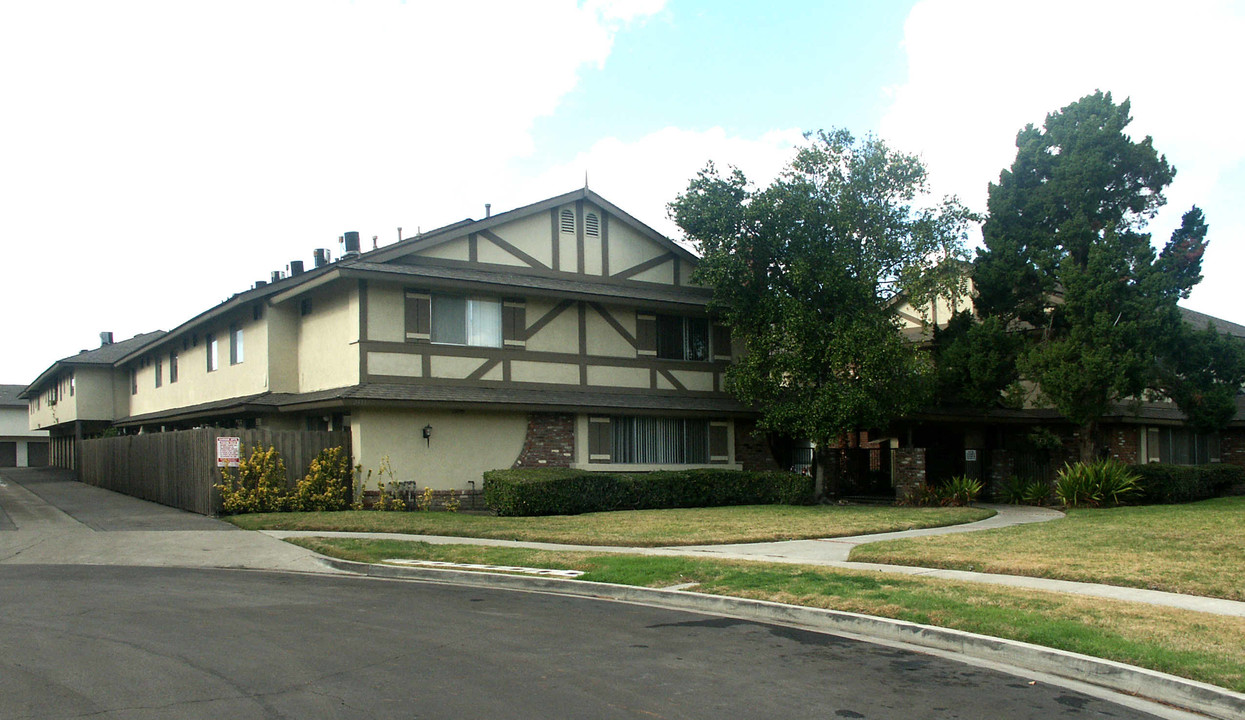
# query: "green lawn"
{"type": "Point", "coordinates": [636, 528]}
{"type": "Point", "coordinates": [1207, 648]}
{"type": "Point", "coordinates": [1197, 548]}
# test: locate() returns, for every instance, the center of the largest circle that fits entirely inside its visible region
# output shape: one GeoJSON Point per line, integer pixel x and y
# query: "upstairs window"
{"type": "Point", "coordinates": [235, 344]}
{"type": "Point", "coordinates": [159, 372]}
{"type": "Point", "coordinates": [213, 352]}
{"type": "Point", "coordinates": [71, 385]}
{"type": "Point", "coordinates": [133, 381]}
{"type": "Point", "coordinates": [682, 338]}
{"type": "Point", "coordinates": [172, 366]}
{"type": "Point", "coordinates": [466, 321]}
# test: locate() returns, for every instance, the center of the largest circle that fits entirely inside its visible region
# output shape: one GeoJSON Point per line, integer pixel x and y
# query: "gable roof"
{"type": "Point", "coordinates": [1200, 320]}
{"type": "Point", "coordinates": [104, 355]}
{"type": "Point", "coordinates": [10, 396]}
{"type": "Point", "coordinates": [461, 228]}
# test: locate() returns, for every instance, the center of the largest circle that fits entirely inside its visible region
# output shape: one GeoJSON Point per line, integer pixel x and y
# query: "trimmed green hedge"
{"type": "Point", "coordinates": [562, 491]}
{"type": "Point", "coordinates": [1164, 484]}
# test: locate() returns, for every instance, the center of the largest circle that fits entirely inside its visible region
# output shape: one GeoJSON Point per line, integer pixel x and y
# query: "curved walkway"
{"type": "Point", "coordinates": [833, 552]}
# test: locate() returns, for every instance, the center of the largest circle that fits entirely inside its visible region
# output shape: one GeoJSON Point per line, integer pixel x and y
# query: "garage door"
{"type": "Point", "coordinates": [8, 454]}
{"type": "Point", "coordinates": [37, 454]}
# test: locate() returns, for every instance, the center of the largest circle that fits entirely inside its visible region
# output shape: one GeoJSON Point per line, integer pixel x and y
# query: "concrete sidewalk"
{"type": "Point", "coordinates": [47, 517]}
{"type": "Point", "coordinates": [833, 552]}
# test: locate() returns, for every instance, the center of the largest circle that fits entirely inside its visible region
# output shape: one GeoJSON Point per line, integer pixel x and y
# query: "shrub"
{"type": "Point", "coordinates": [1095, 484]}
{"type": "Point", "coordinates": [960, 490]}
{"type": "Point", "coordinates": [1035, 492]}
{"type": "Point", "coordinates": [259, 484]}
{"type": "Point", "coordinates": [326, 485]}
{"type": "Point", "coordinates": [1161, 483]}
{"type": "Point", "coordinates": [1012, 490]}
{"type": "Point", "coordinates": [564, 491]}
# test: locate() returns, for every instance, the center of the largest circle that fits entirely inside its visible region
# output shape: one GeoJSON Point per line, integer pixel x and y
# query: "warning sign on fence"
{"type": "Point", "coordinates": [228, 451]}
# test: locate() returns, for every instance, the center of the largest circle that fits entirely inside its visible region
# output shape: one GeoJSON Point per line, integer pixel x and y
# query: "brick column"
{"type": "Point", "coordinates": [550, 441]}
{"type": "Point", "coordinates": [752, 450]}
{"type": "Point", "coordinates": [909, 473]}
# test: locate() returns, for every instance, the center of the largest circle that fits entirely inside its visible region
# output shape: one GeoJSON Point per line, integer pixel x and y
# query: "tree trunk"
{"type": "Point", "coordinates": [1087, 446]}
{"type": "Point", "coordinates": [823, 453]}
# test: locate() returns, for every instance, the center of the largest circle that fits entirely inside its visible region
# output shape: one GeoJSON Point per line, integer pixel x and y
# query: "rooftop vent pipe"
{"type": "Point", "coordinates": [296, 267]}
{"type": "Point", "coordinates": [321, 256]}
{"type": "Point", "coordinates": [105, 338]}
{"type": "Point", "coordinates": [488, 210]}
{"type": "Point", "coordinates": [276, 275]}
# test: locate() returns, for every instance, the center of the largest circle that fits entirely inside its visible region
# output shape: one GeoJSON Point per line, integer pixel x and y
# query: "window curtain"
{"type": "Point", "coordinates": [663, 441]}
{"type": "Point", "coordinates": [484, 322]}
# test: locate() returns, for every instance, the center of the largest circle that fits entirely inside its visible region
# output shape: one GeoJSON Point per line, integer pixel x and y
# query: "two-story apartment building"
{"type": "Point", "coordinates": [19, 445]}
{"type": "Point", "coordinates": [563, 333]}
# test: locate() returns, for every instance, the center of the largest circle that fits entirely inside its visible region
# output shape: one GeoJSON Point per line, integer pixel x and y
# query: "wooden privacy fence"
{"type": "Point", "coordinates": [179, 468]}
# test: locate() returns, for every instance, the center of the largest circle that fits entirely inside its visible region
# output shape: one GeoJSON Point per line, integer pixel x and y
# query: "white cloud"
{"type": "Point", "coordinates": [643, 176]}
{"type": "Point", "coordinates": [978, 71]}
{"type": "Point", "coordinates": [160, 156]}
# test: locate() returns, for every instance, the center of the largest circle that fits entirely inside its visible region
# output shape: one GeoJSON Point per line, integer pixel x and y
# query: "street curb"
{"type": "Point", "coordinates": [1159, 687]}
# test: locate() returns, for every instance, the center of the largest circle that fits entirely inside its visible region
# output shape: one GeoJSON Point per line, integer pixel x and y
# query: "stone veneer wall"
{"type": "Point", "coordinates": [550, 441]}
{"type": "Point", "coordinates": [752, 450]}
{"type": "Point", "coordinates": [909, 473]}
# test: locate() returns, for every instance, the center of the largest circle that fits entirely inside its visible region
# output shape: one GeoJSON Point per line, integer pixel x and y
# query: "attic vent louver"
{"type": "Point", "coordinates": [592, 225]}
{"type": "Point", "coordinates": [567, 221]}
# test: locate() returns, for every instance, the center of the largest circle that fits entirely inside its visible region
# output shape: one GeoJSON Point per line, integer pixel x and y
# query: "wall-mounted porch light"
{"type": "Point", "coordinates": [428, 434]}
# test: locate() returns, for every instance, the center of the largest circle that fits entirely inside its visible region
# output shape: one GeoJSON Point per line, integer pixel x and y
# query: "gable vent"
{"type": "Point", "coordinates": [567, 221]}
{"type": "Point", "coordinates": [592, 225]}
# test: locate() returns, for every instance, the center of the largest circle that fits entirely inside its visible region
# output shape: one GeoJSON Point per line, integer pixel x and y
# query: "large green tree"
{"type": "Point", "coordinates": [1067, 261]}
{"type": "Point", "coordinates": [806, 273]}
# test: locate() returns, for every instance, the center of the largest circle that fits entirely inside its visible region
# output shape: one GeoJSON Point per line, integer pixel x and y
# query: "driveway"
{"type": "Point", "coordinates": [48, 517]}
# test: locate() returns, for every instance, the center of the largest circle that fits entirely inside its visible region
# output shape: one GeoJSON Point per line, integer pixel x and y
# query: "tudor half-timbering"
{"type": "Point", "coordinates": [564, 333]}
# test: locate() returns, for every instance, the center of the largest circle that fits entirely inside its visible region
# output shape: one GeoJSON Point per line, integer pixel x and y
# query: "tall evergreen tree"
{"type": "Point", "coordinates": [1068, 261]}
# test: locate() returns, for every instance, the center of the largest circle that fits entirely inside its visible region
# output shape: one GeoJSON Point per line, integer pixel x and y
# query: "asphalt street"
{"type": "Point", "coordinates": [141, 642]}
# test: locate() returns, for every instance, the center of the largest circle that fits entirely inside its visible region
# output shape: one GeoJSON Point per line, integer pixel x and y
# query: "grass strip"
{"type": "Point", "coordinates": [1207, 648]}
{"type": "Point", "coordinates": [635, 528]}
{"type": "Point", "coordinates": [1196, 548]}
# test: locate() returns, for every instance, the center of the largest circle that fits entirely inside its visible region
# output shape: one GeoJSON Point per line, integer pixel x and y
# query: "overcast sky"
{"type": "Point", "coordinates": [158, 157]}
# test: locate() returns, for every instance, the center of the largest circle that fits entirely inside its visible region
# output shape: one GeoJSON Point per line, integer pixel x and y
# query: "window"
{"type": "Point", "coordinates": [133, 381]}
{"type": "Point", "coordinates": [653, 440]}
{"type": "Point", "coordinates": [1181, 446]}
{"type": "Point", "coordinates": [235, 344]}
{"type": "Point", "coordinates": [304, 307]}
{"type": "Point", "coordinates": [159, 372]}
{"type": "Point", "coordinates": [172, 366]}
{"type": "Point", "coordinates": [213, 352]}
{"type": "Point", "coordinates": [466, 321]}
{"type": "Point", "coordinates": [682, 338]}
{"type": "Point", "coordinates": [71, 385]}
